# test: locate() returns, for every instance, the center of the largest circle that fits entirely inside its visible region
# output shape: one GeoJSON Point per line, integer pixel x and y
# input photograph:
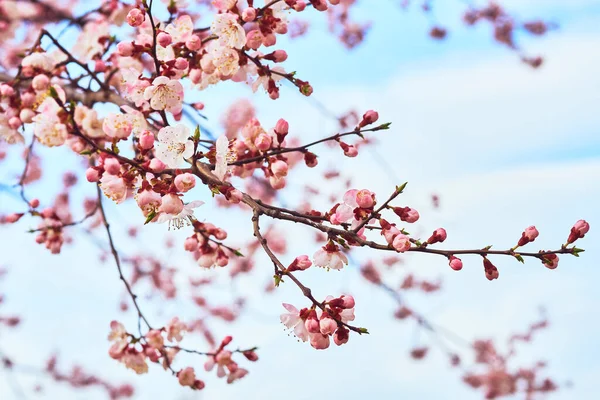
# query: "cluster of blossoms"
{"type": "Point", "coordinates": [135, 352]}
{"type": "Point", "coordinates": [317, 325]}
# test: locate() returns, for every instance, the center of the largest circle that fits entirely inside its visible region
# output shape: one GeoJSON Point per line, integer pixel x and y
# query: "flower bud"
{"type": "Point", "coordinates": [438, 236]}
{"type": "Point", "coordinates": [455, 263]}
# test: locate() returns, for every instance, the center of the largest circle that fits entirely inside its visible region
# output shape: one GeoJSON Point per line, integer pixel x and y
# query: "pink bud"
{"type": "Point", "coordinates": [407, 214]}
{"type": "Point", "coordinates": [269, 40]}
{"type": "Point", "coordinates": [263, 142]}
{"type": "Point", "coordinates": [195, 75]}
{"type": "Point", "coordinates": [327, 325]}
{"type": "Point", "coordinates": [40, 82]}
{"type": "Point", "coordinates": [171, 204]}
{"type": "Point", "coordinates": [277, 182]}
{"type": "Point", "coordinates": [146, 140]}
{"type": "Point", "coordinates": [99, 66]}
{"type": "Point", "coordinates": [365, 199]}
{"type": "Point", "coordinates": [310, 159]}
{"type": "Point", "coordinates": [193, 43]}
{"type": "Point", "coordinates": [455, 263]}
{"type": "Point", "coordinates": [181, 63]}
{"type": "Point", "coordinates": [135, 17]}
{"type": "Point", "coordinates": [164, 39]}
{"type": "Point", "coordinates": [156, 165]}
{"type": "Point", "coordinates": [28, 99]}
{"type": "Point", "coordinates": [303, 262]}
{"type": "Point", "coordinates": [34, 203]}
{"type": "Point", "coordinates": [368, 118]}
{"type": "Point", "coordinates": [279, 168]}
{"type": "Point", "coordinates": [348, 301]}
{"type": "Point", "coordinates": [26, 115]}
{"type": "Point", "coordinates": [12, 218]}
{"type": "Point", "coordinates": [125, 49]}
{"type": "Point", "coordinates": [300, 5]}
{"type": "Point", "coordinates": [578, 231]}
{"type": "Point", "coordinates": [528, 236]}
{"type": "Point", "coordinates": [198, 106]}
{"type": "Point", "coordinates": [112, 166]}
{"type": "Point", "coordinates": [185, 182]}
{"type": "Point", "coordinates": [190, 244]}
{"type": "Point", "coordinates": [14, 122]}
{"type": "Point", "coordinates": [250, 355]}
{"type": "Point", "coordinates": [401, 243]}
{"type": "Point", "coordinates": [92, 175]}
{"type": "Point", "coordinates": [341, 336]}
{"type": "Point", "coordinates": [319, 341]}
{"type": "Point", "coordinates": [550, 261]}
{"type": "Point", "coordinates": [279, 56]}
{"type": "Point", "coordinates": [438, 236]}
{"type": "Point", "coordinates": [312, 325]}
{"type": "Point", "coordinates": [349, 150]}
{"type": "Point", "coordinates": [249, 14]}
{"type": "Point", "coordinates": [6, 90]}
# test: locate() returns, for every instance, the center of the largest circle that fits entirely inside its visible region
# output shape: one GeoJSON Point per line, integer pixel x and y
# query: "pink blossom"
{"type": "Point", "coordinates": [175, 330]}
{"type": "Point", "coordinates": [292, 320]}
{"type": "Point", "coordinates": [155, 339]}
{"type": "Point", "coordinates": [171, 204]}
{"type": "Point", "coordinates": [327, 325]}
{"type": "Point", "coordinates": [164, 39]}
{"type": "Point", "coordinates": [186, 376]}
{"type": "Point", "coordinates": [147, 140]}
{"type": "Point", "coordinates": [319, 341]}
{"type": "Point", "coordinates": [135, 17]}
{"type": "Point", "coordinates": [117, 126]}
{"type": "Point", "coordinates": [113, 187]}
{"type": "Point", "coordinates": [401, 243]}
{"type": "Point", "coordinates": [185, 182]}
{"type": "Point", "coordinates": [365, 198]}
{"type": "Point", "coordinates": [148, 201]}
{"type": "Point", "coordinates": [181, 29]}
{"type": "Point", "coordinates": [165, 94]}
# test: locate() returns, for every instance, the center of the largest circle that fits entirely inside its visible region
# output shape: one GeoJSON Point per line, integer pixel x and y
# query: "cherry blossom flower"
{"type": "Point", "coordinates": [165, 94]}
{"type": "Point", "coordinates": [113, 187]}
{"type": "Point", "coordinates": [48, 128]}
{"type": "Point", "coordinates": [175, 330]}
{"type": "Point", "coordinates": [88, 44]}
{"type": "Point", "coordinates": [292, 320]}
{"type": "Point", "coordinates": [117, 126]}
{"type": "Point", "coordinates": [43, 61]}
{"type": "Point", "coordinates": [173, 145]}
{"type": "Point", "coordinates": [329, 256]}
{"type": "Point", "coordinates": [181, 29]}
{"type": "Point", "coordinates": [230, 32]}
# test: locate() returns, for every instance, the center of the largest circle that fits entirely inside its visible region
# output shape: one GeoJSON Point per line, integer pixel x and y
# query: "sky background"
{"type": "Point", "coordinates": [504, 146]}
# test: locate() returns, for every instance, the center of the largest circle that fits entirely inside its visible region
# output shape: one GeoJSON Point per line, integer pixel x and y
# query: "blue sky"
{"type": "Point", "coordinates": [504, 146]}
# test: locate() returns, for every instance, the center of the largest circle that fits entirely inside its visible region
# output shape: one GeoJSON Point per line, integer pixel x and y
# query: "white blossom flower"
{"type": "Point", "coordinates": [230, 32]}
{"type": "Point", "coordinates": [43, 61]}
{"type": "Point", "coordinates": [181, 29]}
{"type": "Point", "coordinates": [292, 320]}
{"type": "Point", "coordinates": [173, 145]}
{"type": "Point", "coordinates": [165, 94]}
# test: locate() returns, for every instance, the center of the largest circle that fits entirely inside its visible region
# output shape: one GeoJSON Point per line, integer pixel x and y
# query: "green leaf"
{"type": "Point", "coordinates": [150, 217]}
{"type": "Point", "coordinates": [383, 126]}
{"type": "Point", "coordinates": [277, 279]}
{"type": "Point", "coordinates": [363, 330]}
{"type": "Point", "coordinates": [238, 253]}
{"type": "Point", "coordinates": [400, 188]}
{"type": "Point", "coordinates": [53, 92]}
{"type": "Point", "coordinates": [519, 258]}
{"type": "Point", "coordinates": [576, 251]}
{"type": "Point", "coordinates": [197, 133]}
